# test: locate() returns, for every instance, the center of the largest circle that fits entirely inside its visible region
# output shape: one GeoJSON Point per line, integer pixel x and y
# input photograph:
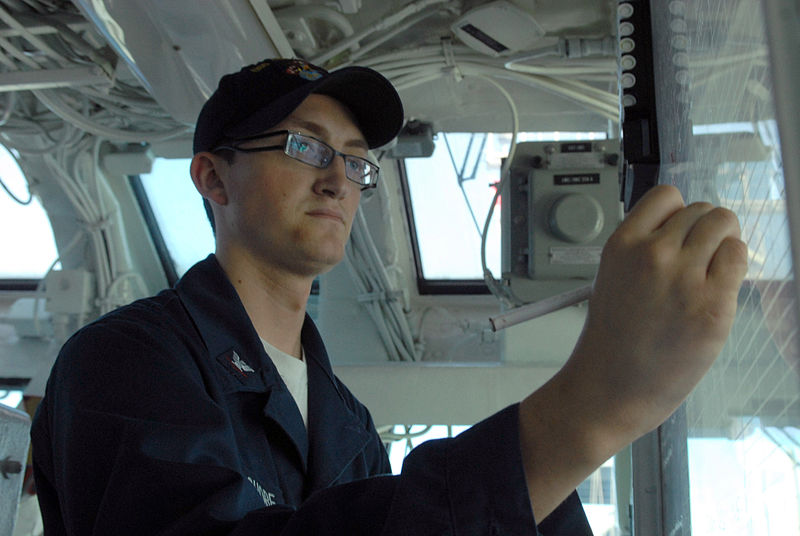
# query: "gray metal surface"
{"type": "Point", "coordinates": [14, 440]}
{"type": "Point", "coordinates": [782, 19]}
{"type": "Point", "coordinates": [661, 480]}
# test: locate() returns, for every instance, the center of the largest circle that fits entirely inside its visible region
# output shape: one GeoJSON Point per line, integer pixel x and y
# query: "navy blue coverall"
{"type": "Point", "coordinates": [168, 417]}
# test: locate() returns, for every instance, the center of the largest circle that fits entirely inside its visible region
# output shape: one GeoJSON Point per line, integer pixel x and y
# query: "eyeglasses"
{"type": "Point", "coordinates": [314, 152]}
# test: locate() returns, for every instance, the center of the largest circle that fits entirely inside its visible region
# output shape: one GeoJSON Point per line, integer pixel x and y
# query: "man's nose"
{"type": "Point", "coordinates": [333, 180]}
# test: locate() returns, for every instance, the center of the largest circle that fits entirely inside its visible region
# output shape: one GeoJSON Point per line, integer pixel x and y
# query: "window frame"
{"type": "Point", "coordinates": [164, 256]}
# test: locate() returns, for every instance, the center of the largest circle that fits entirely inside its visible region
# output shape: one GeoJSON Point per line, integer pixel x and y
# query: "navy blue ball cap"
{"type": "Point", "coordinates": [262, 95]}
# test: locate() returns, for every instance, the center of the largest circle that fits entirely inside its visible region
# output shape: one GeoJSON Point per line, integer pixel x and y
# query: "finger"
{"type": "Point", "coordinates": [728, 267]}
{"type": "Point", "coordinates": [708, 233]}
{"type": "Point", "coordinates": [653, 209]}
{"type": "Point", "coordinates": [677, 228]}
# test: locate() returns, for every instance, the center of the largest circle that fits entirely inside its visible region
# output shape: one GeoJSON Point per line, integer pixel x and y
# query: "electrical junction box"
{"type": "Point", "coordinates": [128, 159]}
{"type": "Point", "coordinates": [69, 291]}
{"type": "Point", "coordinates": [561, 202]}
{"type": "Point", "coordinates": [415, 140]}
{"type": "Point", "coordinates": [498, 29]}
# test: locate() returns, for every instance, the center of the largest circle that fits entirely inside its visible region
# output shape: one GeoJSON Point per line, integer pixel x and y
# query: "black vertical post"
{"type": "Point", "coordinates": [657, 140]}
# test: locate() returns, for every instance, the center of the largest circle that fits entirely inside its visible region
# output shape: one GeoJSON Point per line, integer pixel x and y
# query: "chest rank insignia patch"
{"type": "Point", "coordinates": [235, 364]}
{"type": "Point", "coordinates": [239, 363]}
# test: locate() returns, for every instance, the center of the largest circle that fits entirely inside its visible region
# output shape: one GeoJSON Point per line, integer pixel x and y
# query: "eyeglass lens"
{"type": "Point", "coordinates": [319, 154]}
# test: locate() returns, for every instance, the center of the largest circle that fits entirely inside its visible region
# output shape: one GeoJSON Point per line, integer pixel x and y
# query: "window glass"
{"type": "Point", "coordinates": [742, 420]}
{"type": "Point", "coordinates": [178, 210]}
{"type": "Point", "coordinates": [30, 249]}
{"type": "Point", "coordinates": [450, 195]}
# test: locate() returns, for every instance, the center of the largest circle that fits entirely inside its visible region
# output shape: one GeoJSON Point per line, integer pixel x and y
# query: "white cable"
{"type": "Point", "coordinates": [610, 98]}
{"type": "Point", "coordinates": [40, 286]}
{"type": "Point", "coordinates": [122, 94]}
{"type": "Point", "coordinates": [371, 279]}
{"type": "Point", "coordinates": [357, 266]}
{"type": "Point", "coordinates": [92, 220]}
{"type": "Point", "coordinates": [10, 193]}
{"type": "Point", "coordinates": [55, 104]}
{"type": "Point", "coordinates": [408, 82]}
{"type": "Point", "coordinates": [32, 38]}
{"type": "Point", "coordinates": [423, 65]}
{"type": "Point", "coordinates": [5, 61]}
{"type": "Point", "coordinates": [72, 190]}
{"type": "Point", "coordinates": [11, 103]}
{"type": "Point", "coordinates": [424, 55]}
{"type": "Point", "coordinates": [491, 282]}
{"type": "Point", "coordinates": [17, 54]}
{"type": "Point", "coordinates": [113, 288]}
{"type": "Point", "coordinates": [604, 108]}
{"type": "Point", "coordinates": [91, 172]}
{"type": "Point", "coordinates": [405, 338]}
{"type": "Point", "coordinates": [432, 51]}
{"type": "Point", "coordinates": [133, 112]}
{"type": "Point", "coordinates": [554, 49]}
{"type": "Point", "coordinates": [369, 47]}
{"type": "Point", "coordinates": [381, 312]}
{"type": "Point", "coordinates": [560, 70]}
{"type": "Point", "coordinates": [72, 40]}
{"type": "Point", "coordinates": [21, 125]}
{"type": "Point", "coordinates": [351, 260]}
{"type": "Point", "coordinates": [437, 61]}
{"type": "Point", "coordinates": [385, 23]}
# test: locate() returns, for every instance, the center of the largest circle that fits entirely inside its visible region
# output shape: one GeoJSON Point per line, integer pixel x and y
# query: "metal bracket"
{"type": "Point", "coordinates": [10, 467]}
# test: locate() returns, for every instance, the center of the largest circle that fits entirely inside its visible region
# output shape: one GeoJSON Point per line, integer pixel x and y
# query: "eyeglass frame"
{"type": "Point", "coordinates": [234, 146]}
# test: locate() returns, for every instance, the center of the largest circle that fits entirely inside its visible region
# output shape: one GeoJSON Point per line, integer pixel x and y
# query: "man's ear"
{"type": "Point", "coordinates": [207, 170]}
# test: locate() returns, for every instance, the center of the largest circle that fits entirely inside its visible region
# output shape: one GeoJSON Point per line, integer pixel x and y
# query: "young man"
{"type": "Point", "coordinates": [185, 413]}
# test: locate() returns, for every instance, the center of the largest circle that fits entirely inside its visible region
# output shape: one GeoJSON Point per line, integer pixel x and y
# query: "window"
{"type": "Point", "coordinates": [178, 212]}
{"type": "Point", "coordinates": [30, 250]}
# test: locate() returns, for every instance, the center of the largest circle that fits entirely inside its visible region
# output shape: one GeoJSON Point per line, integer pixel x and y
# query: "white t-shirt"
{"type": "Point", "coordinates": [294, 374]}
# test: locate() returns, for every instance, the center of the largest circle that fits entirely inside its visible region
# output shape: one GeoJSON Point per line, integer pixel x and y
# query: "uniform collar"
{"type": "Point", "coordinates": [337, 434]}
{"type": "Point", "coordinates": [232, 341]}
{"type": "Point", "coordinates": [218, 313]}
{"type": "Point", "coordinates": [235, 351]}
